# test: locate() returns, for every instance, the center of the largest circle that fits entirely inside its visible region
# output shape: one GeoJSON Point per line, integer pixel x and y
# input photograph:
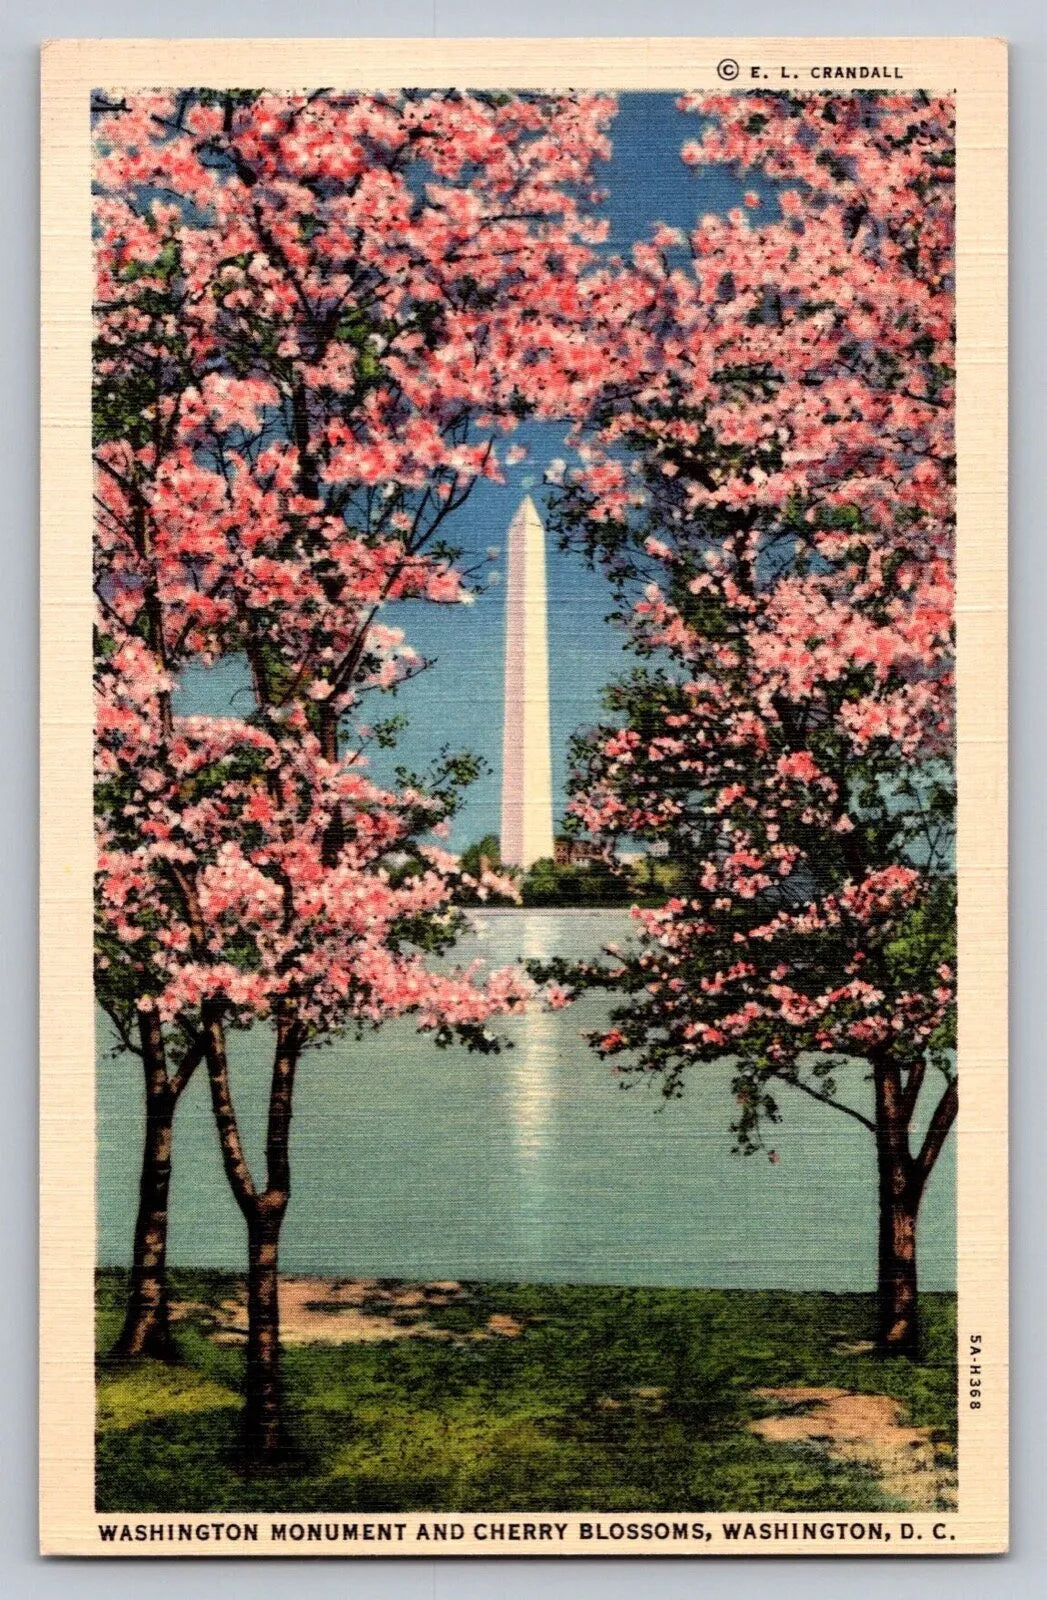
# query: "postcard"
{"type": "Point", "coordinates": [524, 797]}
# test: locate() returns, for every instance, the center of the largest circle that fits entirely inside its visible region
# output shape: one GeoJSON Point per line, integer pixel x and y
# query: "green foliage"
{"type": "Point", "coordinates": [595, 884]}
{"type": "Point", "coordinates": [611, 1398]}
{"type": "Point", "coordinates": [386, 733]}
{"type": "Point", "coordinates": [125, 397]}
{"type": "Point", "coordinates": [486, 852]}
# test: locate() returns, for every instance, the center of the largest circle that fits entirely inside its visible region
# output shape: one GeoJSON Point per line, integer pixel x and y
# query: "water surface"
{"type": "Point", "coordinates": [535, 1165]}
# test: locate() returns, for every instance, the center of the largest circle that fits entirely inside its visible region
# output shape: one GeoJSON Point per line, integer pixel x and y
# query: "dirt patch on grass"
{"type": "Point", "coordinates": [351, 1311]}
{"type": "Point", "coordinates": [865, 1428]}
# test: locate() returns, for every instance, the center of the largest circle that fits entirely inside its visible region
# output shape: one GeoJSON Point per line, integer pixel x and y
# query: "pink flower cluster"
{"type": "Point", "coordinates": [316, 317]}
{"type": "Point", "coordinates": [773, 445]}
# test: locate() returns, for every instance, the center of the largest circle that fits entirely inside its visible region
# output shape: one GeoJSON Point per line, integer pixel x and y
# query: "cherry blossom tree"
{"type": "Point", "coordinates": [767, 477]}
{"type": "Point", "coordinates": [315, 316]}
{"type": "Point", "coordinates": [219, 908]}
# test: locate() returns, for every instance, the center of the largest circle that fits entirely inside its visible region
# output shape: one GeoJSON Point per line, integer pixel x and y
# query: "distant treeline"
{"type": "Point", "coordinates": [594, 882]}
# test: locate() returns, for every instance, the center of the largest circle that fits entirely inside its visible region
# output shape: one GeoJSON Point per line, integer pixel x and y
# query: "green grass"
{"type": "Point", "coordinates": [612, 1399]}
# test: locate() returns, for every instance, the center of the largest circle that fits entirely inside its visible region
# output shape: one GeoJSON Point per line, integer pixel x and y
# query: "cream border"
{"type": "Point", "coordinates": [976, 70]}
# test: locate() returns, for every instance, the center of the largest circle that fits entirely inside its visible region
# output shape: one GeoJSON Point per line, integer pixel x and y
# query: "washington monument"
{"type": "Point", "coordinates": [527, 787]}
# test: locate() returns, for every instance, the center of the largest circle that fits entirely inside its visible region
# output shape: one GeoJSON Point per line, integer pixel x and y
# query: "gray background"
{"type": "Point", "coordinates": [22, 28]}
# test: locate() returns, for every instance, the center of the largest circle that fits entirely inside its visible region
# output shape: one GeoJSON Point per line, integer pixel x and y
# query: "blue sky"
{"type": "Point", "coordinates": [459, 701]}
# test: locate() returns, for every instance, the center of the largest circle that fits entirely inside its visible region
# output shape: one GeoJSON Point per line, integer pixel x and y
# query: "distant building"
{"type": "Point", "coordinates": [570, 852]}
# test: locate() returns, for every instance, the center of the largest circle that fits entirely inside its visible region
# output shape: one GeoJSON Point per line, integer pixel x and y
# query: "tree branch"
{"type": "Point", "coordinates": [941, 1122]}
{"type": "Point", "coordinates": [234, 1161]}
{"type": "Point", "coordinates": [827, 1100]}
{"type": "Point", "coordinates": [190, 1061]}
{"type": "Point", "coordinates": [912, 1088]}
{"type": "Point", "coordinates": [278, 1131]}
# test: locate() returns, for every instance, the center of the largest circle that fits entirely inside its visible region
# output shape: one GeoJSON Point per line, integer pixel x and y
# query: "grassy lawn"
{"type": "Point", "coordinates": [609, 1399]}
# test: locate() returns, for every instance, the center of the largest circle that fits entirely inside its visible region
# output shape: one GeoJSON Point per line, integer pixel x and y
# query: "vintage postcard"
{"type": "Point", "coordinates": [524, 797]}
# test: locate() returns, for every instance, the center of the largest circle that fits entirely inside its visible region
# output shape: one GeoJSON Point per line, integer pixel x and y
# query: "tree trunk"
{"type": "Point", "coordinates": [146, 1330]}
{"type": "Point", "coordinates": [262, 1416]}
{"type": "Point", "coordinates": [897, 1305]}
{"type": "Point", "coordinates": [263, 1211]}
{"type": "Point", "coordinates": [900, 1189]}
{"type": "Point", "coordinates": [334, 836]}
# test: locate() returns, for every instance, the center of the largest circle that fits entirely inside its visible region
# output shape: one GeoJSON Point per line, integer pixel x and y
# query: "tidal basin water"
{"type": "Point", "coordinates": [534, 1165]}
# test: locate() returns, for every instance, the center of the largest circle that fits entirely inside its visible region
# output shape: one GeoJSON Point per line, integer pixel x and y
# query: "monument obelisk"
{"type": "Point", "coordinates": [527, 785]}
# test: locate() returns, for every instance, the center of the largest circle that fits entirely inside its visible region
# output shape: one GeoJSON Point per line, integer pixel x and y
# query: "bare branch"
{"type": "Point", "coordinates": [827, 1100]}
{"type": "Point", "coordinates": [934, 1139]}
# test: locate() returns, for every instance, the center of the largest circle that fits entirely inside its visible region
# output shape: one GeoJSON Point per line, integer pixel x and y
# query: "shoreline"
{"type": "Point", "coordinates": [546, 911]}
{"type": "Point", "coordinates": [463, 1281]}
